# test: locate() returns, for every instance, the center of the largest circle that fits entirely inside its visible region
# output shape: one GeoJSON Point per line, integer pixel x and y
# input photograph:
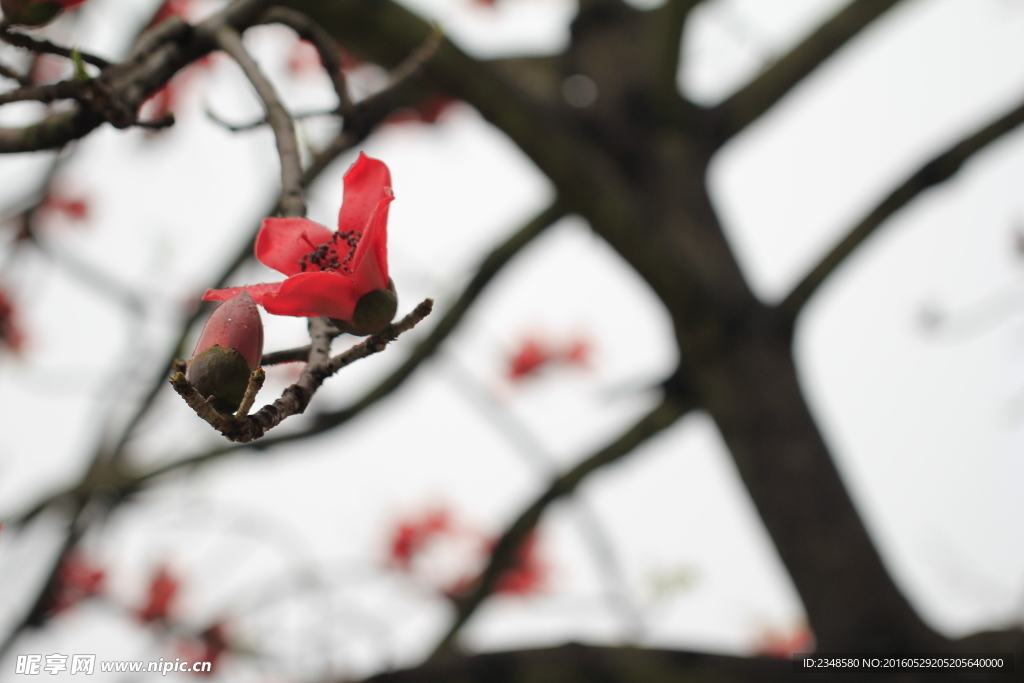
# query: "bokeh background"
{"type": "Point", "coordinates": [912, 356]}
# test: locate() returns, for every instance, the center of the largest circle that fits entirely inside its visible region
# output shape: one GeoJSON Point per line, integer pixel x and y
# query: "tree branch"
{"type": "Point", "coordinates": [39, 46]}
{"type": "Point", "coordinates": [747, 105]}
{"type": "Point", "coordinates": [325, 421]}
{"type": "Point", "coordinates": [297, 396]}
{"type": "Point", "coordinates": [280, 121]}
{"type": "Point", "coordinates": [938, 170]}
{"type": "Point", "coordinates": [159, 54]}
{"type": "Point", "coordinates": [9, 73]}
{"type": "Point", "coordinates": [574, 663]}
{"type": "Point", "coordinates": [329, 51]}
{"type": "Point", "coordinates": [504, 555]}
{"type": "Point", "coordinates": [486, 271]}
{"type": "Point", "coordinates": [668, 21]}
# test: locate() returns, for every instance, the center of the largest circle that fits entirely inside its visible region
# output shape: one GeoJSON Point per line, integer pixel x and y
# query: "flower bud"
{"type": "Point", "coordinates": [230, 348]}
{"type": "Point", "coordinates": [374, 312]}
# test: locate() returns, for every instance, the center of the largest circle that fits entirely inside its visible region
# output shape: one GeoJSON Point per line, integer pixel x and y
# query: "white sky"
{"type": "Point", "coordinates": [926, 425]}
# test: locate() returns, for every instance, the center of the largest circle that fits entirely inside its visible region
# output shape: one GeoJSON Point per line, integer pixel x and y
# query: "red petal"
{"type": "Point", "coordinates": [235, 324]}
{"type": "Point", "coordinates": [282, 242]}
{"type": "Point", "coordinates": [257, 292]}
{"type": "Point", "coordinates": [365, 210]}
{"type": "Point", "coordinates": [313, 294]}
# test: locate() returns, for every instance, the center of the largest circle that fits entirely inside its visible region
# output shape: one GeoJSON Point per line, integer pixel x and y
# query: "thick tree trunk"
{"type": "Point", "coordinates": [634, 164]}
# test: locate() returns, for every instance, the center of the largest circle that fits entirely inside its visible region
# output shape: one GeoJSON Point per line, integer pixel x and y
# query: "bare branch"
{"type": "Point", "coordinates": [938, 170]}
{"type": "Point", "coordinates": [9, 73]}
{"type": "Point", "coordinates": [326, 421]}
{"type": "Point", "coordinates": [44, 93]}
{"type": "Point", "coordinates": [745, 106]}
{"type": "Point", "coordinates": [40, 46]}
{"type": "Point", "coordinates": [297, 396]}
{"type": "Point", "coordinates": [667, 23]}
{"type": "Point", "coordinates": [245, 251]}
{"type": "Point", "coordinates": [159, 54]}
{"type": "Point", "coordinates": [292, 203]}
{"type": "Point", "coordinates": [504, 555]}
{"type": "Point", "coordinates": [329, 51]}
{"type": "Point", "coordinates": [255, 384]}
{"type": "Point", "coordinates": [297, 355]}
{"type": "Point", "coordinates": [486, 272]}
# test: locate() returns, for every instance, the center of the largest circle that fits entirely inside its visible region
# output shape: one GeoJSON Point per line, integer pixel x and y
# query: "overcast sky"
{"type": "Point", "coordinates": [924, 417]}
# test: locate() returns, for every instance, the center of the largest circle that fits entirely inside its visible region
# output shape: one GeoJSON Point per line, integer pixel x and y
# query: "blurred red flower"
{"type": "Point", "coordinates": [303, 58]}
{"type": "Point", "coordinates": [410, 536]}
{"type": "Point", "coordinates": [48, 69]}
{"type": "Point", "coordinates": [436, 532]}
{"type": "Point", "coordinates": [534, 354]}
{"type": "Point", "coordinates": [529, 359]}
{"type": "Point", "coordinates": [167, 99]}
{"type": "Point", "coordinates": [162, 589]}
{"type": "Point", "coordinates": [529, 573]}
{"type": "Point", "coordinates": [785, 645]}
{"type": "Point", "coordinates": [73, 207]}
{"type": "Point", "coordinates": [329, 272]}
{"type": "Point", "coordinates": [77, 579]}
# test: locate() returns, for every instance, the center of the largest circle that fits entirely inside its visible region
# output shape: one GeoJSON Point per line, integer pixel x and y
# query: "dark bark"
{"type": "Point", "coordinates": [639, 178]}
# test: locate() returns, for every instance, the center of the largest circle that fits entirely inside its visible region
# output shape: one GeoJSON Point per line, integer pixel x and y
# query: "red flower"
{"type": "Point", "coordinates": [303, 59]}
{"type": "Point", "coordinates": [530, 358]}
{"type": "Point", "coordinates": [528, 574]}
{"type": "Point", "coordinates": [162, 590]}
{"type": "Point", "coordinates": [74, 208]}
{"type": "Point", "coordinates": [229, 349]}
{"type": "Point", "coordinates": [410, 537]}
{"type": "Point", "coordinates": [578, 353]}
{"type": "Point", "coordinates": [329, 273]}
{"type": "Point", "coordinates": [10, 332]}
{"type": "Point", "coordinates": [77, 579]}
{"type": "Point", "coordinates": [783, 646]}
{"type": "Point", "coordinates": [165, 100]}
{"type": "Point", "coordinates": [533, 355]}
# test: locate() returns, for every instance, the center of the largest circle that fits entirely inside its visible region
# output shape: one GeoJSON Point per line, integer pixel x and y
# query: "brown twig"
{"type": "Point", "coordinates": [938, 170]}
{"type": "Point", "coordinates": [252, 125]}
{"type": "Point", "coordinates": [7, 72]}
{"type": "Point", "coordinates": [325, 45]}
{"type": "Point", "coordinates": [128, 85]}
{"type": "Point", "coordinates": [39, 45]}
{"type": "Point", "coordinates": [297, 355]}
{"type": "Point", "coordinates": [45, 93]}
{"type": "Point", "coordinates": [255, 384]}
{"type": "Point", "coordinates": [505, 551]}
{"type": "Point", "coordinates": [754, 99]}
{"type": "Point", "coordinates": [292, 203]}
{"type": "Point", "coordinates": [296, 397]}
{"type": "Point", "coordinates": [322, 422]}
